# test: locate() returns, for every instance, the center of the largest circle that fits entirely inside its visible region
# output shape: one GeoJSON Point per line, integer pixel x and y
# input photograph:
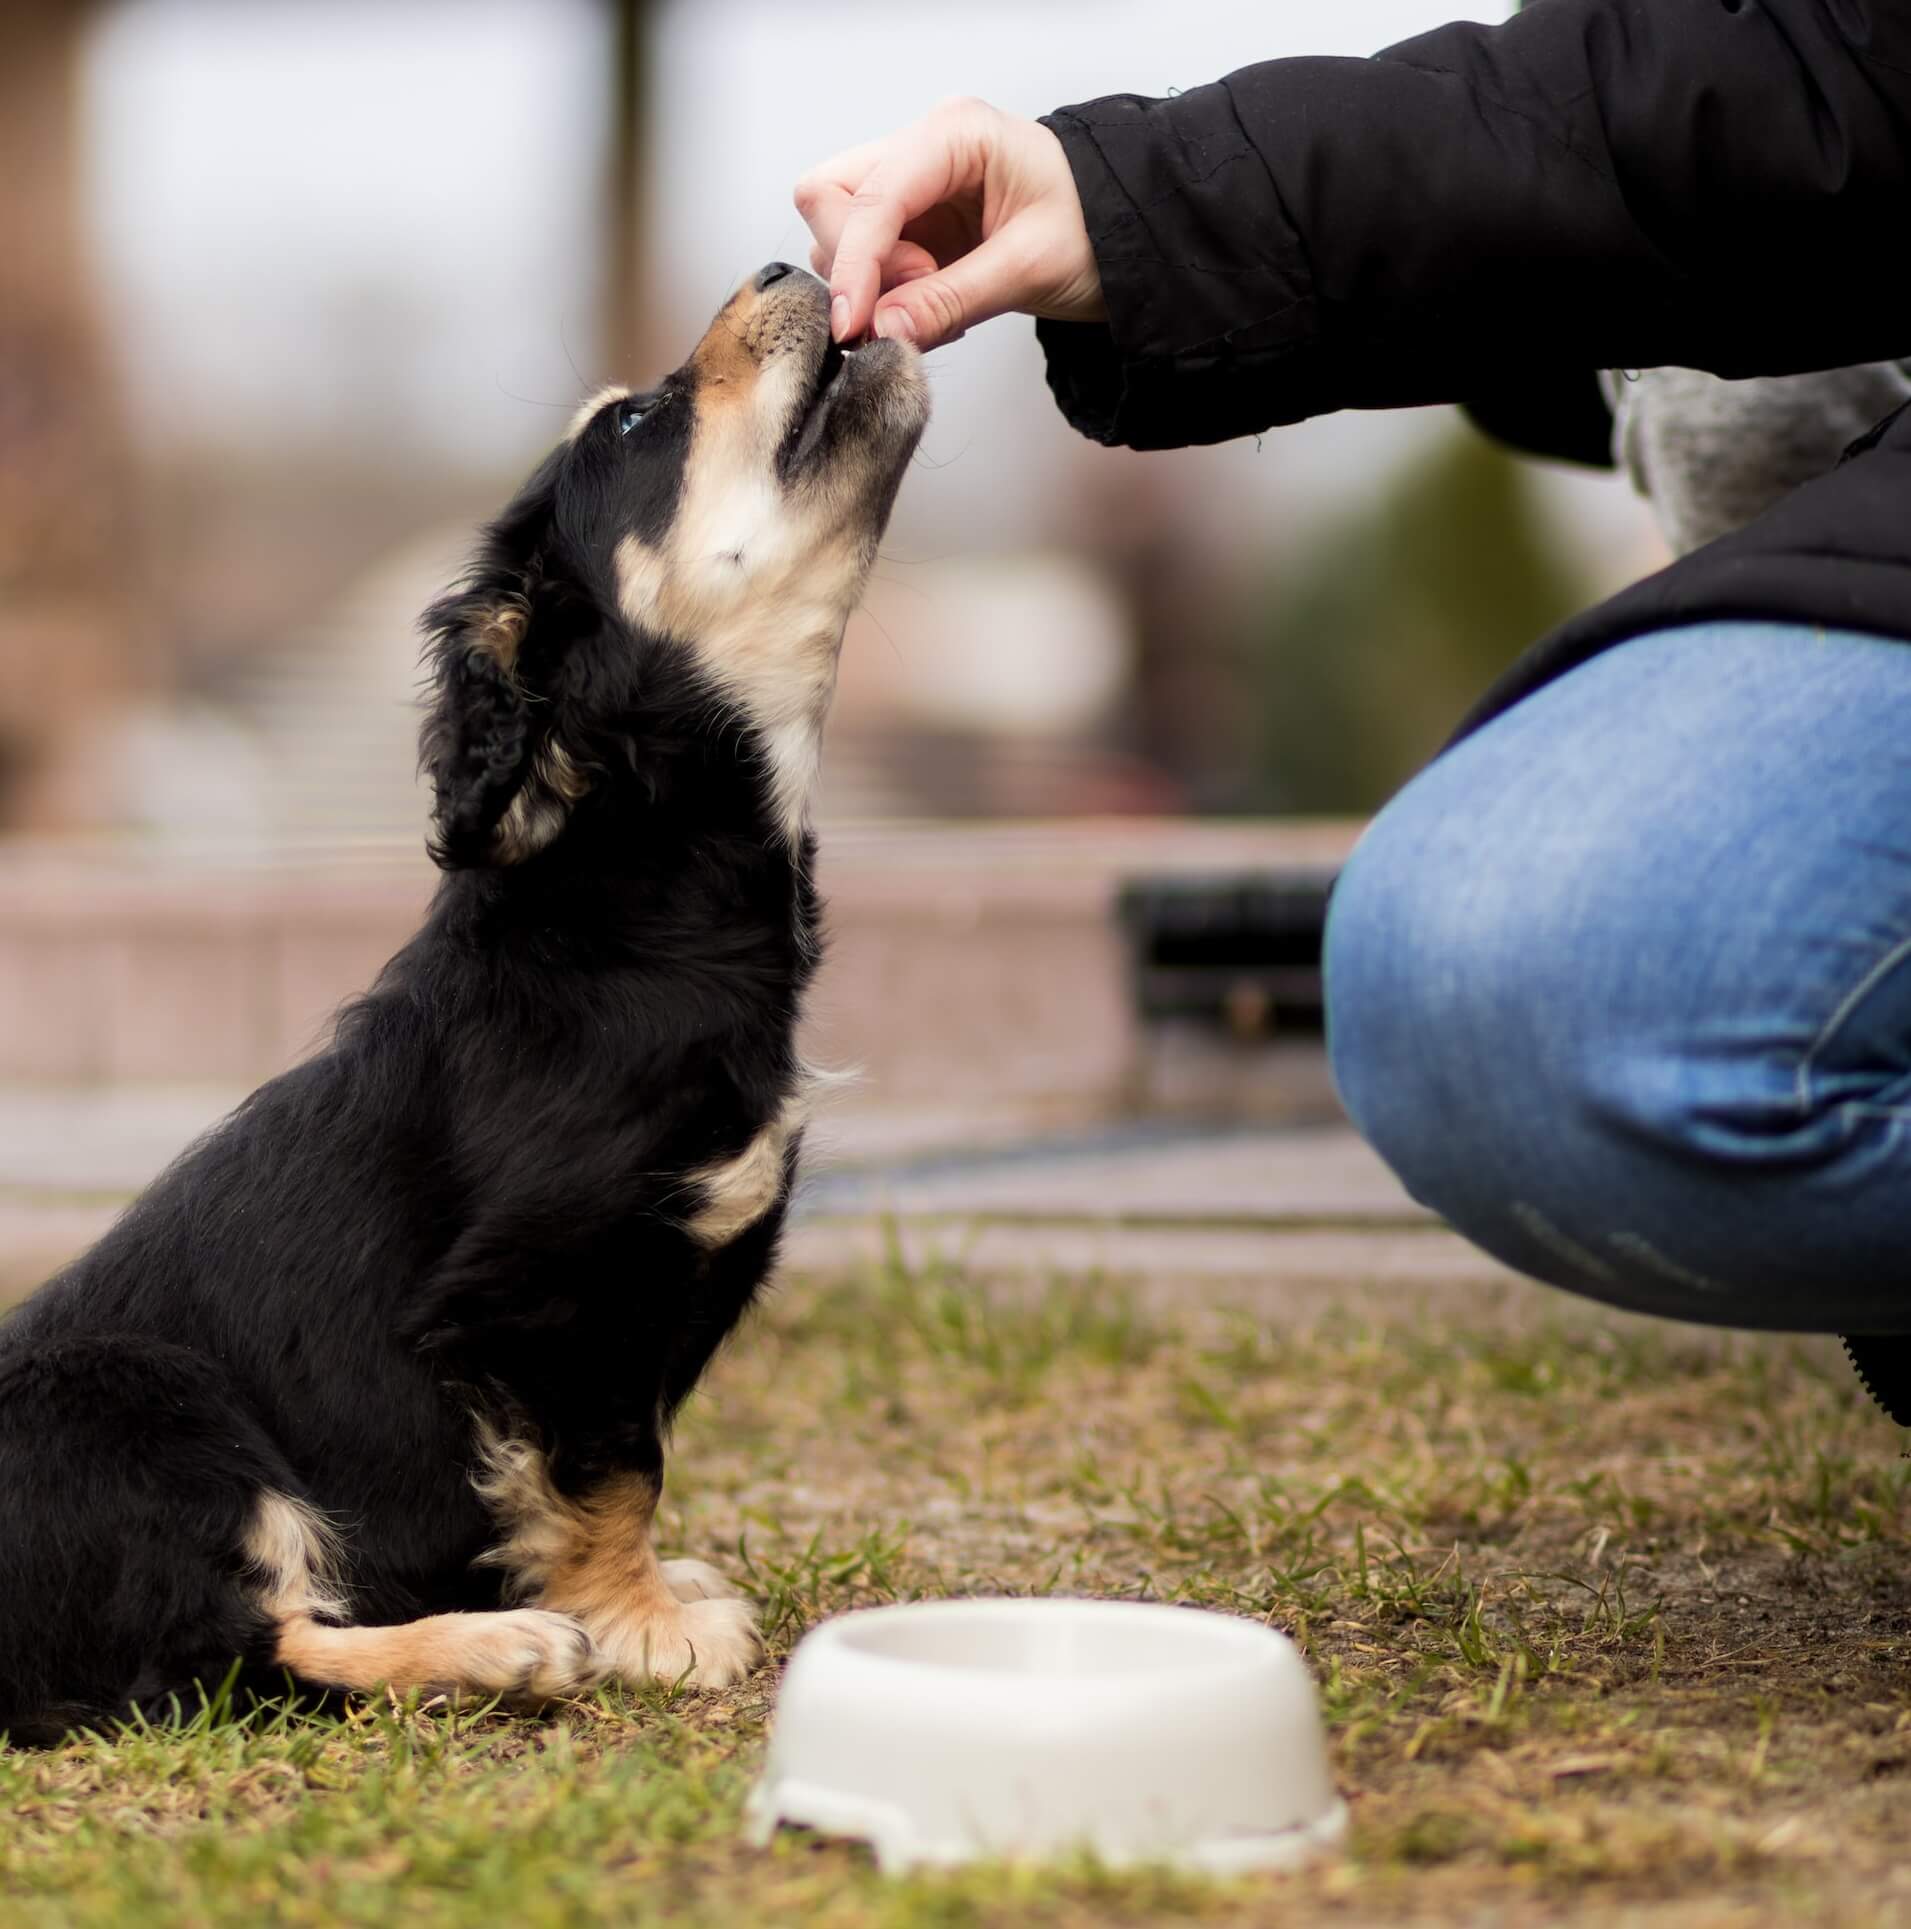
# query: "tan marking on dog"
{"type": "Point", "coordinates": [542, 805]}
{"type": "Point", "coordinates": [592, 1559]}
{"type": "Point", "coordinates": [738, 1191]}
{"type": "Point", "coordinates": [514, 1482]}
{"type": "Point", "coordinates": [524, 1653]}
{"type": "Point", "coordinates": [553, 783]}
{"type": "Point", "coordinates": [295, 1554]}
{"type": "Point", "coordinates": [500, 633]}
{"type": "Point", "coordinates": [587, 410]}
{"type": "Point", "coordinates": [728, 355]}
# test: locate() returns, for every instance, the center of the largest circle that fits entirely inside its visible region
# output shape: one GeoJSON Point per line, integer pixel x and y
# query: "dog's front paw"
{"type": "Point", "coordinates": [704, 1643]}
{"type": "Point", "coordinates": [531, 1654]}
{"type": "Point", "coordinates": [722, 1635]}
{"type": "Point", "coordinates": [696, 1581]}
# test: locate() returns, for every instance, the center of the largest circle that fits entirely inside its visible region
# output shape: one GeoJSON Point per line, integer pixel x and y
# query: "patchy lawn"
{"type": "Point", "coordinates": [1608, 1617]}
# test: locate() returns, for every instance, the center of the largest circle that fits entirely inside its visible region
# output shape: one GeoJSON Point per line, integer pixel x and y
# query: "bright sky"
{"type": "Point", "coordinates": [330, 217]}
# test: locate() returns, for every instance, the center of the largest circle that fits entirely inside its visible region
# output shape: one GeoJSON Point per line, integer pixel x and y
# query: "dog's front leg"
{"type": "Point", "coordinates": [649, 1620]}
{"type": "Point", "coordinates": [590, 1557]}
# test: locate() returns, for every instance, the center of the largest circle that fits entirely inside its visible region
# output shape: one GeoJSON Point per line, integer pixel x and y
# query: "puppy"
{"type": "Point", "coordinates": [370, 1389]}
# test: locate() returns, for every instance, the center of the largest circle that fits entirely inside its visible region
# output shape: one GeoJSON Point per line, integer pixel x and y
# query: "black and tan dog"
{"type": "Point", "coordinates": [371, 1387]}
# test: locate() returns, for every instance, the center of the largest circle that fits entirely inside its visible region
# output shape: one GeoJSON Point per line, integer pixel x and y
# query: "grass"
{"type": "Point", "coordinates": [1608, 1617]}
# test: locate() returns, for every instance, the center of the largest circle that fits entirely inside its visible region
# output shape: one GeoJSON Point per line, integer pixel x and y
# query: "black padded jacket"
{"type": "Point", "coordinates": [1489, 214]}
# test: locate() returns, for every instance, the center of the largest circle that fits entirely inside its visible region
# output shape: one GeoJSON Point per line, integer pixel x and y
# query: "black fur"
{"type": "Point", "coordinates": [475, 1200]}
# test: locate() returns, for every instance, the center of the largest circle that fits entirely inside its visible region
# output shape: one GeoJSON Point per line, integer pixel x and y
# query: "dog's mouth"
{"type": "Point", "coordinates": [835, 372]}
{"type": "Point", "coordinates": [835, 362]}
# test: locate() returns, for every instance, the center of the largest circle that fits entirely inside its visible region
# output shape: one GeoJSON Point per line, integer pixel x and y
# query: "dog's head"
{"type": "Point", "coordinates": [695, 550]}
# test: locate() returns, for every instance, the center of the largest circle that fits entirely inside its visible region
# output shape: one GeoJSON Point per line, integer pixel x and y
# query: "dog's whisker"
{"type": "Point", "coordinates": [882, 630]}
{"type": "Point", "coordinates": [896, 582]}
{"type": "Point", "coordinates": [530, 401]}
{"type": "Point", "coordinates": [563, 340]}
{"type": "Point", "coordinates": [921, 459]}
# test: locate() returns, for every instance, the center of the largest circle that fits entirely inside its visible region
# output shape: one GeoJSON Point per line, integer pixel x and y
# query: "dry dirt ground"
{"type": "Point", "coordinates": [1612, 1621]}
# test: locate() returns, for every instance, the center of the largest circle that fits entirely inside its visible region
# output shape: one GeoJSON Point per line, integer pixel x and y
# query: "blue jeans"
{"type": "Point", "coordinates": [1621, 987]}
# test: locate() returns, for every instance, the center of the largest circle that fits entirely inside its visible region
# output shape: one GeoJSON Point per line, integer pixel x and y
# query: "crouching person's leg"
{"type": "Point", "coordinates": [1621, 986]}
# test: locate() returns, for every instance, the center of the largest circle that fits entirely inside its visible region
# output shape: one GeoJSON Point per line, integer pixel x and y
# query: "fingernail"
{"type": "Point", "coordinates": [839, 317]}
{"type": "Point", "coordinates": [896, 325]}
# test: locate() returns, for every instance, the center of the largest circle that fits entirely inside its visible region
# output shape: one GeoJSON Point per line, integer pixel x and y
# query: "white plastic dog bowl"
{"type": "Point", "coordinates": [959, 1730]}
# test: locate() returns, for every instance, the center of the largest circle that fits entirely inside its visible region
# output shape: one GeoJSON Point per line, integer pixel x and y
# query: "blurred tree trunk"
{"type": "Point", "coordinates": [632, 349]}
{"type": "Point", "coordinates": [66, 609]}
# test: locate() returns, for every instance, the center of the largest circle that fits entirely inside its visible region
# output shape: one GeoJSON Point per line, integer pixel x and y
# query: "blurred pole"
{"type": "Point", "coordinates": [632, 349]}
{"type": "Point", "coordinates": [66, 652]}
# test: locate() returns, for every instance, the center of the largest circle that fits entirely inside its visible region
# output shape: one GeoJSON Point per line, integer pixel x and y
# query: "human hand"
{"type": "Point", "coordinates": [969, 214]}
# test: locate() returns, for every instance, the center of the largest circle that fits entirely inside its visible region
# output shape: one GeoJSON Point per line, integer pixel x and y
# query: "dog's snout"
{"type": "Point", "coordinates": [771, 273]}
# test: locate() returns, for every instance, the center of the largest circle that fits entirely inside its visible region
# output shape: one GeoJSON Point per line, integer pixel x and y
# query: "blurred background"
{"type": "Point", "coordinates": [293, 292]}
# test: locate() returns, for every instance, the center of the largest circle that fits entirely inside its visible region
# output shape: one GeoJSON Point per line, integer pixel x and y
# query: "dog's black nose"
{"type": "Point", "coordinates": [770, 273]}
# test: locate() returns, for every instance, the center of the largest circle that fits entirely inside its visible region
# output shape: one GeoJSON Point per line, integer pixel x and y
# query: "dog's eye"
{"type": "Point", "coordinates": [629, 414]}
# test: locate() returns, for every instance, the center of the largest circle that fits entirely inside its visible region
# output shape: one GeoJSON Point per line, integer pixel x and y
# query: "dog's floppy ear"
{"type": "Point", "coordinates": [503, 783]}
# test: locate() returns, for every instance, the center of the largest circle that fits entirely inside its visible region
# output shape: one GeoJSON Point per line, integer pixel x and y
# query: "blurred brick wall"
{"type": "Point", "coordinates": [968, 966]}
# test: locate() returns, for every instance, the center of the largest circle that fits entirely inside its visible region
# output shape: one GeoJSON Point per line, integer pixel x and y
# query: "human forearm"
{"type": "Point", "coordinates": [1597, 183]}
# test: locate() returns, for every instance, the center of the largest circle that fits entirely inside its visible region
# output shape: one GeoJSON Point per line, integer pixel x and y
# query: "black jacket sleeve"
{"type": "Point", "coordinates": [1718, 184]}
{"type": "Point", "coordinates": [1562, 413]}
{"type": "Point", "coordinates": [1558, 413]}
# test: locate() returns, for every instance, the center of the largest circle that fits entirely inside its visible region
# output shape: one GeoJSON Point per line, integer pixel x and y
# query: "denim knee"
{"type": "Point", "coordinates": [1472, 1055]}
{"type": "Point", "coordinates": [1476, 1030]}
{"type": "Point", "coordinates": [1404, 977]}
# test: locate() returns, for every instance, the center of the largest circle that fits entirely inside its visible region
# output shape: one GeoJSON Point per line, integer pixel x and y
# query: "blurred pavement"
{"type": "Point", "coordinates": [1277, 1208]}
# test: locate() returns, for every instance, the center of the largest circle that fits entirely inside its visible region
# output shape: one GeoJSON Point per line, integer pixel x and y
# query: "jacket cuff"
{"type": "Point", "coordinates": [1085, 372]}
{"type": "Point", "coordinates": [1200, 300]}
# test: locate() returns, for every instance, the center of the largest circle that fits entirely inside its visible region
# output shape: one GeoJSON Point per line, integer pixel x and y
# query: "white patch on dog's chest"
{"type": "Point", "coordinates": [761, 597]}
{"type": "Point", "coordinates": [738, 1191]}
{"type": "Point", "coordinates": [780, 669]}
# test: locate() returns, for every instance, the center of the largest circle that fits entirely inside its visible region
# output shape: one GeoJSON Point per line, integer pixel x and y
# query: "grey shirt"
{"type": "Point", "coordinates": [1712, 454]}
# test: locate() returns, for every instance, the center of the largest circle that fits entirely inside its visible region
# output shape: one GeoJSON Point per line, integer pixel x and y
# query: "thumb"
{"type": "Point", "coordinates": [933, 309]}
